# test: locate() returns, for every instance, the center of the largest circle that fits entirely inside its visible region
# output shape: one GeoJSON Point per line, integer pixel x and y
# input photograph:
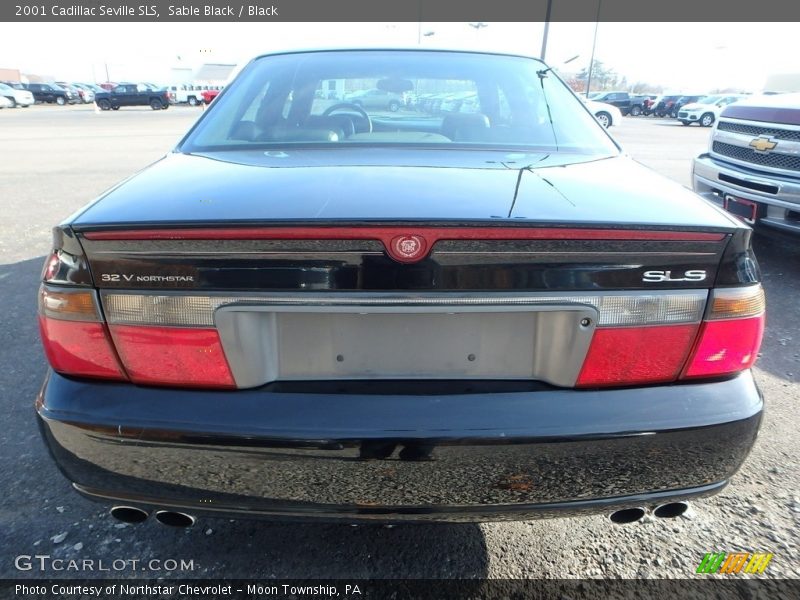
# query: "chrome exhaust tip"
{"type": "Point", "coordinates": [627, 515]}
{"type": "Point", "coordinates": [129, 514]}
{"type": "Point", "coordinates": [174, 519]}
{"type": "Point", "coordinates": [671, 510]}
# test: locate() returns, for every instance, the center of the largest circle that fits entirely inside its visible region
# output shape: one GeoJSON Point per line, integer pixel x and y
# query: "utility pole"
{"type": "Point", "coordinates": [546, 28]}
{"type": "Point", "coordinates": [594, 43]}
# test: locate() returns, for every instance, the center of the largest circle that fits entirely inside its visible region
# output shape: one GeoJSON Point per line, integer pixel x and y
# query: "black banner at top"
{"type": "Point", "coordinates": [397, 10]}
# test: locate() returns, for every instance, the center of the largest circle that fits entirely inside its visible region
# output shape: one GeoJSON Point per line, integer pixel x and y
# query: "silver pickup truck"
{"type": "Point", "coordinates": [752, 167]}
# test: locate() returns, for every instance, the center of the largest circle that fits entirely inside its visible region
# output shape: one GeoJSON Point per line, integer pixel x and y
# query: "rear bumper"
{"type": "Point", "coordinates": [363, 454]}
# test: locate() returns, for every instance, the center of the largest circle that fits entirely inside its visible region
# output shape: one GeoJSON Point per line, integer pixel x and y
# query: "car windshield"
{"type": "Point", "coordinates": [406, 98]}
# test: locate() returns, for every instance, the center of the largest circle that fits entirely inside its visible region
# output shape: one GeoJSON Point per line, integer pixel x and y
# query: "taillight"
{"type": "Point", "coordinates": [74, 336]}
{"type": "Point", "coordinates": [182, 356]}
{"type": "Point", "coordinates": [642, 338]}
{"type": "Point", "coordinates": [731, 334]}
{"type": "Point", "coordinates": [636, 355]}
{"type": "Point", "coordinates": [77, 341]}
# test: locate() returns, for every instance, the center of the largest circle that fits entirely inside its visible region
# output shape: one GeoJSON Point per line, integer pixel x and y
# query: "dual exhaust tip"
{"type": "Point", "coordinates": [133, 515]}
{"type": "Point", "coordinates": [671, 510]}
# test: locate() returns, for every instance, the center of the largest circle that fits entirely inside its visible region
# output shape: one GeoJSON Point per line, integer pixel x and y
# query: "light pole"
{"type": "Point", "coordinates": [594, 44]}
{"type": "Point", "coordinates": [546, 28]}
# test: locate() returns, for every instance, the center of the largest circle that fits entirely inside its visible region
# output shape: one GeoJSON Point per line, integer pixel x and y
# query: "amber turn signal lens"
{"type": "Point", "coordinates": [737, 303]}
{"type": "Point", "coordinates": [68, 305]}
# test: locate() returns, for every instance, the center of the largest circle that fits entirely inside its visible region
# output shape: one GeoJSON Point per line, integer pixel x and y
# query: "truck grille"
{"type": "Point", "coordinates": [756, 130]}
{"type": "Point", "coordinates": [774, 159]}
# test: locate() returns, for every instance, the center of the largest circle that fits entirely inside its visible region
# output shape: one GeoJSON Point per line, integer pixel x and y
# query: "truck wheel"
{"type": "Point", "coordinates": [192, 101]}
{"type": "Point", "coordinates": [61, 101]}
{"type": "Point", "coordinates": [636, 110]}
{"type": "Point", "coordinates": [156, 104]}
{"type": "Point", "coordinates": [394, 106]}
{"type": "Point", "coordinates": [104, 104]}
{"type": "Point", "coordinates": [707, 120]}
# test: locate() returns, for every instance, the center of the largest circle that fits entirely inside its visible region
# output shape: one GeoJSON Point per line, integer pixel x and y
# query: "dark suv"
{"type": "Point", "coordinates": [50, 93]}
{"type": "Point", "coordinates": [627, 104]}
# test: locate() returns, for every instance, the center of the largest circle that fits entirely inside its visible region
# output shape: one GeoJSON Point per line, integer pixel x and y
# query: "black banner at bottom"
{"type": "Point", "coordinates": [705, 587]}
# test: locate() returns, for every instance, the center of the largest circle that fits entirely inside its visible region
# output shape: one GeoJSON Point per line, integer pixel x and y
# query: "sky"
{"type": "Point", "coordinates": [681, 57]}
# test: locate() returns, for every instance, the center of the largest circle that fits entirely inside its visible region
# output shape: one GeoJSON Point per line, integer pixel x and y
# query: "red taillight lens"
{"type": "Point", "coordinates": [172, 355]}
{"type": "Point", "coordinates": [636, 355]}
{"type": "Point", "coordinates": [76, 348]}
{"type": "Point", "coordinates": [731, 336]}
{"type": "Point", "coordinates": [726, 347]}
{"type": "Point", "coordinates": [74, 337]}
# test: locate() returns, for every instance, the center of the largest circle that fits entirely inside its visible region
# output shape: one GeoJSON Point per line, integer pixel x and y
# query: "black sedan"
{"type": "Point", "coordinates": [311, 309]}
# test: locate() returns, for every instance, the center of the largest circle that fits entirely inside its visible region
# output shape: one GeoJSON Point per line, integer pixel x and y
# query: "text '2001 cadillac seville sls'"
{"type": "Point", "coordinates": [483, 311]}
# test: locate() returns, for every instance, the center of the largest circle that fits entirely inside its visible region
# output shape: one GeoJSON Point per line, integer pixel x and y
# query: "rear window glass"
{"type": "Point", "coordinates": [398, 98]}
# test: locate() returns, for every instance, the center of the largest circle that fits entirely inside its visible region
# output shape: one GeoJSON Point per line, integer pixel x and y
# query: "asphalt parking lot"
{"type": "Point", "coordinates": [53, 160]}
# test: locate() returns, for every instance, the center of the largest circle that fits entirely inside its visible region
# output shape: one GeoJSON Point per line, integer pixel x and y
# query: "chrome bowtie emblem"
{"type": "Point", "coordinates": [763, 143]}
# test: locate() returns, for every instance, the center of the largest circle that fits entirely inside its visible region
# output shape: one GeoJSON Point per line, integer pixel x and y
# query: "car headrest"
{"type": "Point", "coordinates": [462, 127]}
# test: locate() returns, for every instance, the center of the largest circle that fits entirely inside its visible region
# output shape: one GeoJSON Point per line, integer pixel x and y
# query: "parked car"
{"type": "Point", "coordinates": [625, 102]}
{"type": "Point", "coordinates": [133, 94]}
{"type": "Point", "coordinates": [84, 96]}
{"type": "Point", "coordinates": [752, 167]}
{"type": "Point", "coordinates": [16, 95]}
{"type": "Point", "coordinates": [51, 93]}
{"type": "Point", "coordinates": [186, 94]}
{"type": "Point", "coordinates": [376, 99]}
{"type": "Point", "coordinates": [94, 87]}
{"type": "Point", "coordinates": [705, 111]}
{"type": "Point", "coordinates": [648, 105]}
{"type": "Point", "coordinates": [663, 105]}
{"type": "Point", "coordinates": [683, 101]}
{"type": "Point", "coordinates": [608, 114]}
{"type": "Point", "coordinates": [385, 317]}
{"type": "Point", "coordinates": [209, 95]}
{"type": "Point", "coordinates": [5, 102]}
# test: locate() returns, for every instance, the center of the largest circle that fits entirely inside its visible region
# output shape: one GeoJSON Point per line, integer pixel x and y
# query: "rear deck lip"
{"type": "Point", "coordinates": [385, 234]}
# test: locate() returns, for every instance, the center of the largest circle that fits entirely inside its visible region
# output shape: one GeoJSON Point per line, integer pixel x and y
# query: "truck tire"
{"type": "Point", "coordinates": [60, 100]}
{"type": "Point", "coordinates": [193, 101]}
{"type": "Point", "coordinates": [156, 104]}
{"type": "Point", "coordinates": [636, 110]}
{"type": "Point", "coordinates": [104, 104]}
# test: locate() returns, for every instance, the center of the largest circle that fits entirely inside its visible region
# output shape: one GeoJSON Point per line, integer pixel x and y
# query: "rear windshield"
{"type": "Point", "coordinates": [331, 99]}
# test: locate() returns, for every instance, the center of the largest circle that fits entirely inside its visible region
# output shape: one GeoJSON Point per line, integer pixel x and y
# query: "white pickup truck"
{"type": "Point", "coordinates": [185, 94]}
